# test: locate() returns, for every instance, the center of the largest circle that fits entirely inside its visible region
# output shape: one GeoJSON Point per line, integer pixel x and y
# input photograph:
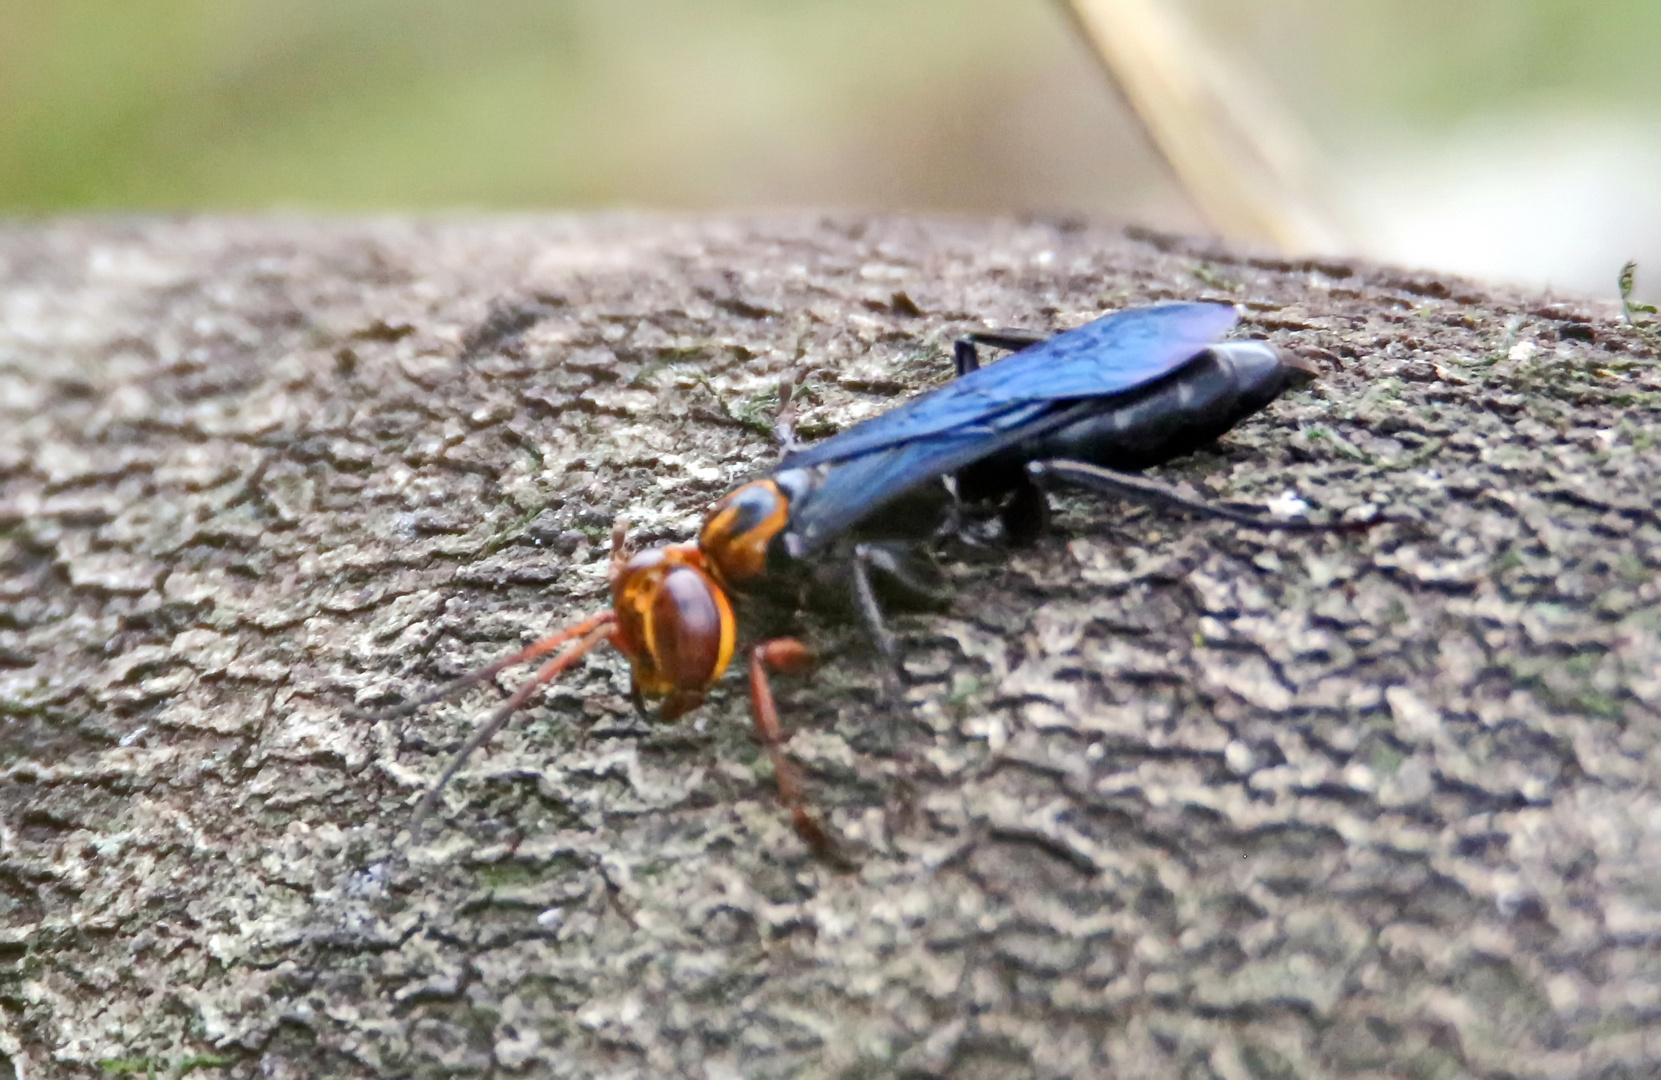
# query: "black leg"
{"type": "Point", "coordinates": [870, 611]}
{"type": "Point", "coordinates": [1141, 489]}
{"type": "Point", "coordinates": [904, 583]}
{"type": "Point", "coordinates": [967, 359]}
{"type": "Point", "coordinates": [1026, 516]}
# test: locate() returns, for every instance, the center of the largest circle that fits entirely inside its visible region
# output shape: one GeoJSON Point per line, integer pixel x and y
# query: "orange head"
{"type": "Point", "coordinates": [674, 623]}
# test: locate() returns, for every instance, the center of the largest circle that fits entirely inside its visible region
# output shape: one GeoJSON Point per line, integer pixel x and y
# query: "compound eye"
{"type": "Point", "coordinates": [692, 630]}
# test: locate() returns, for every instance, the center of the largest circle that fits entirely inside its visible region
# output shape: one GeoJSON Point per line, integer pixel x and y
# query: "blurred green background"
{"type": "Point", "coordinates": [1514, 139]}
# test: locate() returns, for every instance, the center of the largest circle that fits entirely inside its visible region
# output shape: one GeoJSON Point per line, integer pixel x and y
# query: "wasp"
{"type": "Point", "coordinates": [1089, 407]}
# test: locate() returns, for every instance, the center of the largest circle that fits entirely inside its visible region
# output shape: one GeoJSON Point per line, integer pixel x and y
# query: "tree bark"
{"type": "Point", "coordinates": [1163, 798]}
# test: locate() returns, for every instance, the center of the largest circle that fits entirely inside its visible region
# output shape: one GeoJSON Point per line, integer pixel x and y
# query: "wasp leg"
{"type": "Point", "coordinates": [1023, 524]}
{"type": "Point", "coordinates": [967, 359]}
{"type": "Point", "coordinates": [903, 584]}
{"type": "Point", "coordinates": [871, 611]}
{"type": "Point", "coordinates": [473, 678]}
{"type": "Point", "coordinates": [790, 655]}
{"type": "Point", "coordinates": [599, 631]}
{"type": "Point", "coordinates": [1026, 516]}
{"type": "Point", "coordinates": [1141, 489]}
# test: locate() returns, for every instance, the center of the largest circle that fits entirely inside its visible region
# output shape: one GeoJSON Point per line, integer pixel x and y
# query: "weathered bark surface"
{"type": "Point", "coordinates": [1165, 798]}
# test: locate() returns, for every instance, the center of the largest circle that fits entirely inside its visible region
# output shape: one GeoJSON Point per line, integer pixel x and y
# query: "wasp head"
{"type": "Point", "coordinates": [674, 623]}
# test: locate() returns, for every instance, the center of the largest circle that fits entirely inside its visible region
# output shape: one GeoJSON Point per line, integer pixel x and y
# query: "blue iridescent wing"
{"type": "Point", "coordinates": [1111, 355]}
{"type": "Point", "coordinates": [856, 489]}
{"type": "Point", "coordinates": [987, 410]}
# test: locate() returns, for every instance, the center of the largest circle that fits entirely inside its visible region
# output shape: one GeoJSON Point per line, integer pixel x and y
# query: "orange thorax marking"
{"type": "Point", "coordinates": [739, 529]}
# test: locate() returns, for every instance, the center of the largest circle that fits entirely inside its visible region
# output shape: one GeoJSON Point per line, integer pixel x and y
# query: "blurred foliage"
{"type": "Point", "coordinates": [1431, 63]}
{"type": "Point", "coordinates": [505, 102]}
{"type": "Point", "coordinates": [979, 105]}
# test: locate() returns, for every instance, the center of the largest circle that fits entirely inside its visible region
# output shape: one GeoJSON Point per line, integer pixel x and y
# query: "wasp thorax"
{"type": "Point", "coordinates": [740, 527]}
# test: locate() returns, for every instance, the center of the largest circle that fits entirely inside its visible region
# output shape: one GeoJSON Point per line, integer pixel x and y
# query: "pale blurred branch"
{"type": "Point", "coordinates": [1248, 163]}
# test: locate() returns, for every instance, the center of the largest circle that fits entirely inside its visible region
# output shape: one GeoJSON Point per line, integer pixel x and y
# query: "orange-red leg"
{"type": "Point", "coordinates": [530, 652]}
{"type": "Point", "coordinates": [789, 655]}
{"type": "Point", "coordinates": [598, 629]}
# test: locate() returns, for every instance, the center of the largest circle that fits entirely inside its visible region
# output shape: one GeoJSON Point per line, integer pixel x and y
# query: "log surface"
{"type": "Point", "coordinates": [1164, 798]}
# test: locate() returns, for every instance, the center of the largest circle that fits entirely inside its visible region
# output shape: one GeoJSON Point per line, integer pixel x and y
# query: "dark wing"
{"type": "Point", "coordinates": [987, 410]}
{"type": "Point", "coordinates": [856, 489]}
{"type": "Point", "coordinates": [1111, 355]}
